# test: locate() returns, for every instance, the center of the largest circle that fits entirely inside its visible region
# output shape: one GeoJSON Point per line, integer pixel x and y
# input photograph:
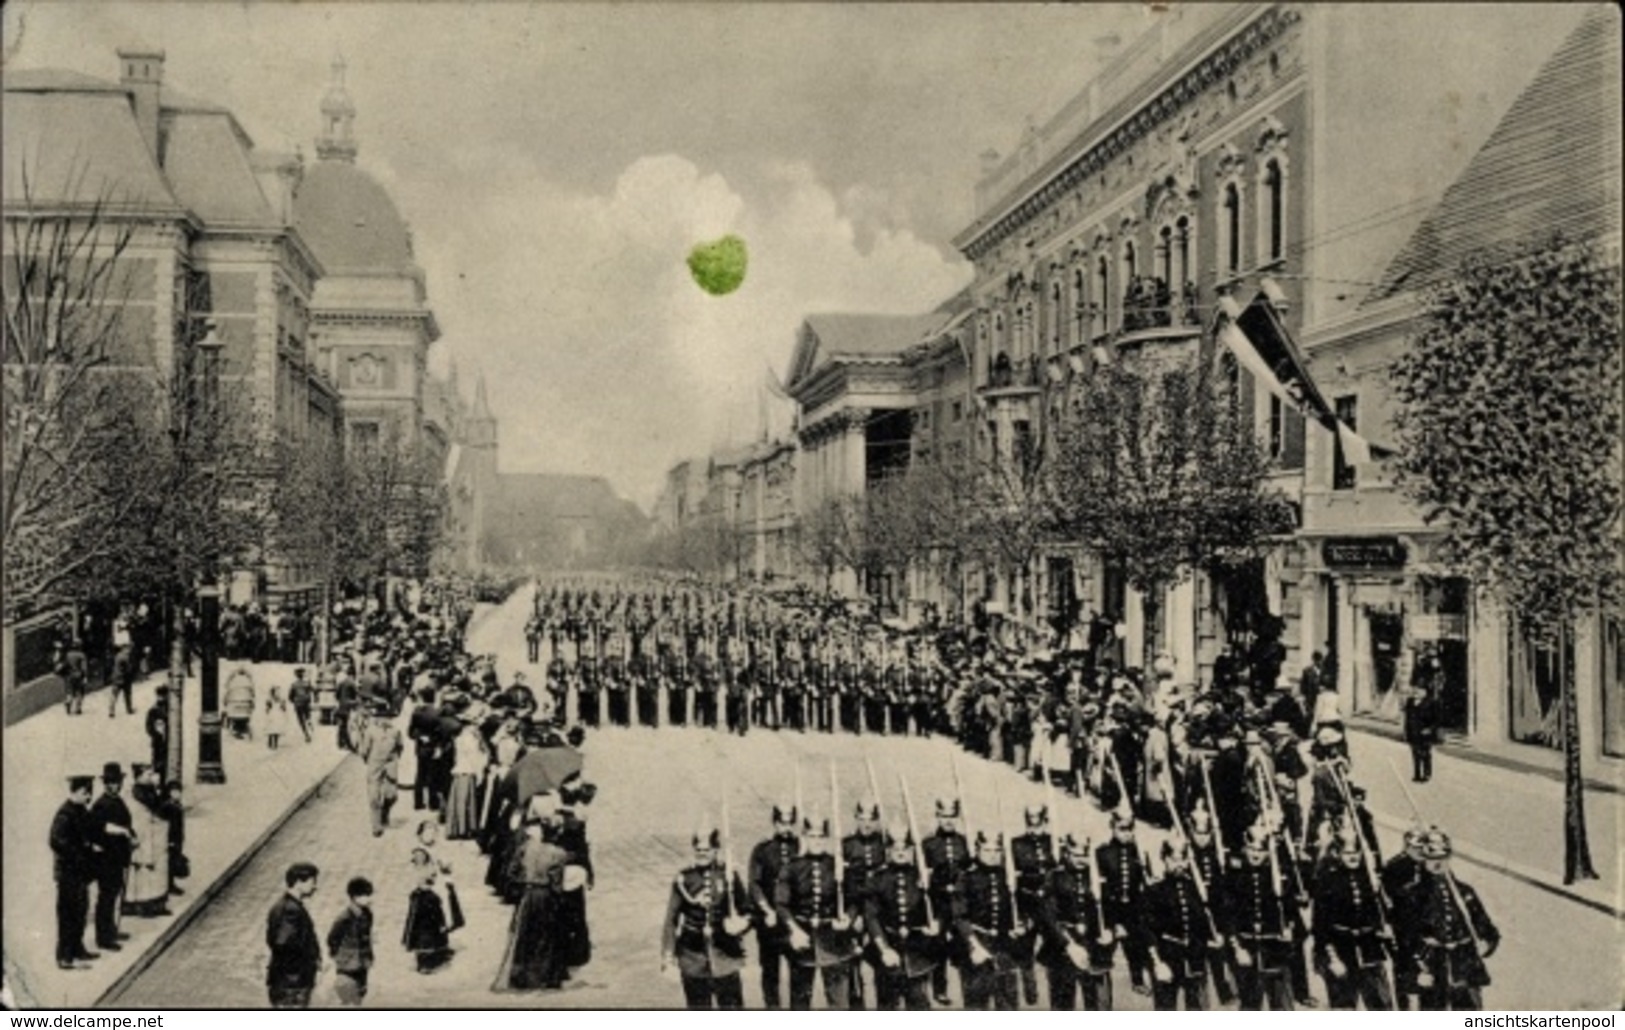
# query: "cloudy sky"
{"type": "Point", "coordinates": [556, 162]}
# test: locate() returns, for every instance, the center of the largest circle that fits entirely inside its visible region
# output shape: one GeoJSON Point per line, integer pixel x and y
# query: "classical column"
{"type": "Point", "coordinates": [855, 454]}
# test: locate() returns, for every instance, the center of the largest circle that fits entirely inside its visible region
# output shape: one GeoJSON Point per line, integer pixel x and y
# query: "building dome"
{"type": "Point", "coordinates": [350, 222]}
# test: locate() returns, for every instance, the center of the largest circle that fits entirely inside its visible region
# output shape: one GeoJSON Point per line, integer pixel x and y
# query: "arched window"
{"type": "Point", "coordinates": [1232, 228]}
{"type": "Point", "coordinates": [1130, 264]}
{"type": "Point", "coordinates": [1274, 210]}
{"type": "Point", "coordinates": [1103, 293]}
{"type": "Point", "coordinates": [1079, 307]}
{"type": "Point", "coordinates": [1181, 262]}
{"type": "Point", "coordinates": [1165, 251]}
{"type": "Point", "coordinates": [1055, 315]}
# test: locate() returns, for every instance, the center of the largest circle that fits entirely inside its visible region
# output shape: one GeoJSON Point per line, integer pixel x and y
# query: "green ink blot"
{"type": "Point", "coordinates": [719, 267]}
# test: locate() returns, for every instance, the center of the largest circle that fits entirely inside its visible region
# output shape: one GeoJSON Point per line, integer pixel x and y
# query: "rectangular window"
{"type": "Point", "coordinates": [959, 410]}
{"type": "Point", "coordinates": [1343, 472]}
{"type": "Point", "coordinates": [1277, 427]}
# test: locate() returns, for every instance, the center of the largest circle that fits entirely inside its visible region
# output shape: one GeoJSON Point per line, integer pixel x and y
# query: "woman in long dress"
{"type": "Point", "coordinates": [534, 959]}
{"type": "Point", "coordinates": [148, 891]}
{"type": "Point", "coordinates": [469, 762]}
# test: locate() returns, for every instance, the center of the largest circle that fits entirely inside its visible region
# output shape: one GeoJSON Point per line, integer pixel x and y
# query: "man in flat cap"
{"type": "Point", "coordinates": [73, 854]}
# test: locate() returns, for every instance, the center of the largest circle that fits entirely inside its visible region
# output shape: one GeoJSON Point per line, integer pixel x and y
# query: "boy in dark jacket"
{"type": "Point", "coordinates": [349, 943]}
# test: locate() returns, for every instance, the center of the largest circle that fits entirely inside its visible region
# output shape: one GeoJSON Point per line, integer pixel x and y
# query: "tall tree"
{"type": "Point", "coordinates": [1158, 472]}
{"type": "Point", "coordinates": [1509, 435]}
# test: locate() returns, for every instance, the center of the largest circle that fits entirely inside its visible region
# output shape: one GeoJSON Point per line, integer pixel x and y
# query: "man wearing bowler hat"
{"type": "Point", "coordinates": [73, 854]}
{"type": "Point", "coordinates": [112, 828]}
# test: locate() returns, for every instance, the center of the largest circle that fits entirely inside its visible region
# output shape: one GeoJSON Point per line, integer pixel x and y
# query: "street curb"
{"type": "Point", "coordinates": [221, 882]}
{"type": "Point", "coordinates": [1507, 867]}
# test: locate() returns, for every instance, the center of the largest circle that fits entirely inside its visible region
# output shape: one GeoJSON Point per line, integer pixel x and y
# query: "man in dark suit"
{"type": "Point", "coordinates": [73, 854]}
{"type": "Point", "coordinates": [111, 827]}
{"type": "Point", "coordinates": [296, 951]}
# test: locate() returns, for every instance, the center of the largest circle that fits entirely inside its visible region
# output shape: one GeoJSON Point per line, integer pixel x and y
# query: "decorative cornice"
{"type": "Point", "coordinates": [1259, 33]}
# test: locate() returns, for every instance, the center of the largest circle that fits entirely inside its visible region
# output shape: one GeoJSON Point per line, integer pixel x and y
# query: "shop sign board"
{"type": "Point", "coordinates": [1363, 552]}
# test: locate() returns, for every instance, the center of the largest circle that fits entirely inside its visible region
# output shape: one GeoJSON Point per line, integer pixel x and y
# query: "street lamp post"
{"type": "Point", "coordinates": [210, 752]}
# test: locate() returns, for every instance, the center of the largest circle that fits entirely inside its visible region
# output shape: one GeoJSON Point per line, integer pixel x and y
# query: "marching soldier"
{"type": "Point", "coordinates": [706, 922]}
{"type": "Point", "coordinates": [616, 686]}
{"type": "Point", "coordinates": [736, 684]}
{"type": "Point", "coordinates": [1122, 887]}
{"type": "Point", "coordinates": [874, 696]}
{"type": "Point", "coordinates": [1351, 932]}
{"type": "Point", "coordinates": [947, 856]}
{"type": "Point", "coordinates": [1262, 907]}
{"type": "Point", "coordinates": [988, 928]}
{"type": "Point", "coordinates": [897, 686]}
{"type": "Point", "coordinates": [904, 939]}
{"type": "Point", "coordinates": [1033, 855]}
{"type": "Point", "coordinates": [1077, 944]}
{"type": "Point", "coordinates": [675, 672]}
{"type": "Point", "coordinates": [1210, 868]}
{"type": "Point", "coordinates": [819, 923]}
{"type": "Point", "coordinates": [768, 860]}
{"type": "Point", "coordinates": [863, 853]}
{"type": "Point", "coordinates": [1182, 931]}
{"type": "Point", "coordinates": [1454, 934]}
{"type": "Point", "coordinates": [1401, 878]}
{"type": "Point", "coordinates": [705, 689]}
{"type": "Point", "coordinates": [646, 678]}
{"type": "Point", "coordinates": [847, 691]}
{"type": "Point", "coordinates": [588, 699]}
{"type": "Point", "coordinates": [792, 673]}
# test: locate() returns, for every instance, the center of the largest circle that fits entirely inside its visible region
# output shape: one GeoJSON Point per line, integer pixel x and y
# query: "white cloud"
{"type": "Point", "coordinates": [601, 353]}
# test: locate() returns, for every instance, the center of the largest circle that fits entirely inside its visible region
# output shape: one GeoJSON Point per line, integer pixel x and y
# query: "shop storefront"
{"type": "Point", "coordinates": [1373, 609]}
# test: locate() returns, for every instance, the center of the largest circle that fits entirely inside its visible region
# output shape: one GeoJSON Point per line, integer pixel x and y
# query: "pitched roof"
{"type": "Point", "coordinates": [77, 148]}
{"type": "Point", "coordinates": [1551, 165]}
{"type": "Point", "coordinates": [824, 338]}
{"type": "Point", "coordinates": [210, 170]}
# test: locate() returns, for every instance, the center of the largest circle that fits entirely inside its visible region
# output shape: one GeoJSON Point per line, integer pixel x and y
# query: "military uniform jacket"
{"type": "Point", "coordinates": [947, 856]}
{"type": "Point", "coordinates": [1205, 860]}
{"type": "Point", "coordinates": [1033, 856]}
{"type": "Point", "coordinates": [768, 860]}
{"type": "Point", "coordinates": [895, 915]}
{"type": "Point", "coordinates": [1348, 919]}
{"type": "Point", "coordinates": [74, 856]}
{"type": "Point", "coordinates": [1256, 915]}
{"type": "Point", "coordinates": [984, 913]}
{"type": "Point", "coordinates": [808, 896]}
{"type": "Point", "coordinates": [693, 929]}
{"type": "Point", "coordinates": [1180, 925]}
{"type": "Point", "coordinates": [864, 854]}
{"type": "Point", "coordinates": [1445, 944]}
{"type": "Point", "coordinates": [1122, 881]}
{"type": "Point", "coordinates": [1068, 914]}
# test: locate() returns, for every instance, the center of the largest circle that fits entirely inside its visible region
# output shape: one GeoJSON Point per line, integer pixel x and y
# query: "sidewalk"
{"type": "Point", "coordinates": [1500, 818]}
{"type": "Point", "coordinates": [223, 822]}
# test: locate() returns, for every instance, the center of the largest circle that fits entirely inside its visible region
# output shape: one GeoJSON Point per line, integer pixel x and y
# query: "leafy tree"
{"type": "Point", "coordinates": [1158, 472]}
{"type": "Point", "coordinates": [1509, 434]}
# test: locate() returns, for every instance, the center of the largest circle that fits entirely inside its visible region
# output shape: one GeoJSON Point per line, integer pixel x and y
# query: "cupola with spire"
{"type": "Point", "coordinates": [337, 141]}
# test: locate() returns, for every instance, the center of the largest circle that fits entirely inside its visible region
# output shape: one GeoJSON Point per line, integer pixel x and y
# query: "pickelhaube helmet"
{"type": "Point", "coordinates": [814, 825]}
{"type": "Point", "coordinates": [947, 808]}
{"type": "Point", "coordinates": [989, 840]}
{"type": "Point", "coordinates": [1037, 815]}
{"type": "Point", "coordinates": [867, 808]}
{"type": "Point", "coordinates": [784, 813]}
{"type": "Point", "coordinates": [706, 837]}
{"type": "Point", "coordinates": [1415, 838]}
{"type": "Point", "coordinates": [1201, 821]}
{"type": "Point", "coordinates": [1072, 844]}
{"type": "Point", "coordinates": [1176, 849]}
{"type": "Point", "coordinates": [1436, 845]}
{"type": "Point", "coordinates": [1258, 837]}
{"type": "Point", "coordinates": [1123, 818]}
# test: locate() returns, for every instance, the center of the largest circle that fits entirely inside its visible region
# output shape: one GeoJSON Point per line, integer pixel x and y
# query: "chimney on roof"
{"type": "Point", "coordinates": [143, 75]}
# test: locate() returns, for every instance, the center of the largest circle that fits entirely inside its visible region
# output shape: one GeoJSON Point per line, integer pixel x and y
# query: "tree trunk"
{"type": "Point", "coordinates": [1576, 848]}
